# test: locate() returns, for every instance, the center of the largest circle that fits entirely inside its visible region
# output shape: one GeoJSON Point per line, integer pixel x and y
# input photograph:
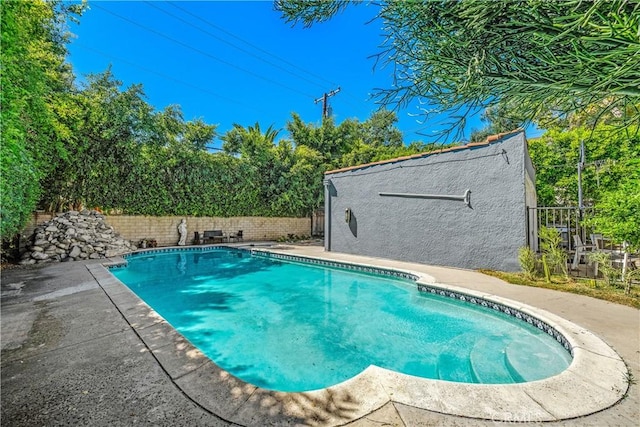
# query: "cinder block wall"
{"type": "Point", "coordinates": [164, 229]}
{"type": "Point", "coordinates": [37, 217]}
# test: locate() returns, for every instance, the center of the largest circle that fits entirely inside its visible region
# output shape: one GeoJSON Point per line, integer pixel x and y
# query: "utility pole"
{"type": "Point", "coordinates": [581, 232]}
{"type": "Point", "coordinates": [580, 167]}
{"type": "Point", "coordinates": [325, 102]}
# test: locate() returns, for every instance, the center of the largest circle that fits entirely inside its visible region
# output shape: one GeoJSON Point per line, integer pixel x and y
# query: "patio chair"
{"type": "Point", "coordinates": [213, 236]}
{"type": "Point", "coordinates": [581, 251]}
{"type": "Point", "coordinates": [597, 240]}
{"type": "Point", "coordinates": [197, 240]}
{"type": "Point", "coordinates": [237, 236]}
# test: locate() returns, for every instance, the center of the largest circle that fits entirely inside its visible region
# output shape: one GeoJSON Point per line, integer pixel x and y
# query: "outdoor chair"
{"type": "Point", "coordinates": [213, 236]}
{"type": "Point", "coordinates": [196, 238]}
{"type": "Point", "coordinates": [581, 251]}
{"type": "Point", "coordinates": [237, 236]}
{"type": "Point", "coordinates": [597, 240]}
{"type": "Point", "coordinates": [616, 253]}
{"type": "Point", "coordinates": [618, 258]}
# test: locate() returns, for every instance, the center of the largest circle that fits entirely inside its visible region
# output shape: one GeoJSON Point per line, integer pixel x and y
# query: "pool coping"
{"type": "Point", "coordinates": [596, 379]}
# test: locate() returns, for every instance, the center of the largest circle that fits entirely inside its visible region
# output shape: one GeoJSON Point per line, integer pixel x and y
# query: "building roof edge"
{"type": "Point", "coordinates": [491, 139]}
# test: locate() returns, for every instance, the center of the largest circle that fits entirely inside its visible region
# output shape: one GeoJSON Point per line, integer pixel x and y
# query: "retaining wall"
{"type": "Point", "coordinates": [164, 229]}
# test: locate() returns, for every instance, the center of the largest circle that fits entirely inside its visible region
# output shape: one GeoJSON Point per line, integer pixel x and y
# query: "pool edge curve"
{"type": "Point", "coordinates": [596, 379]}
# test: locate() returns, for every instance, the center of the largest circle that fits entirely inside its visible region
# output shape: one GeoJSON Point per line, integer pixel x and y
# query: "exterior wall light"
{"type": "Point", "coordinates": [347, 215]}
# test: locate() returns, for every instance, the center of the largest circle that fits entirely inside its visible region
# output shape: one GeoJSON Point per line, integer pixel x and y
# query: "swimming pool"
{"type": "Point", "coordinates": [290, 326]}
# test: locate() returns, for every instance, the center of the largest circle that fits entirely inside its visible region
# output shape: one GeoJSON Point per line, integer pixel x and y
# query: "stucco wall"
{"type": "Point", "coordinates": [165, 228]}
{"type": "Point", "coordinates": [435, 231]}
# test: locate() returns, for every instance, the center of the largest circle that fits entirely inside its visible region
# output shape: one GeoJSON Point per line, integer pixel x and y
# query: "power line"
{"type": "Point", "coordinates": [207, 54]}
{"type": "Point", "coordinates": [325, 102]}
{"type": "Point", "coordinates": [252, 45]}
{"type": "Point", "coordinates": [233, 45]}
{"type": "Point", "coordinates": [164, 76]}
{"type": "Point", "coordinates": [258, 48]}
{"type": "Point", "coordinates": [204, 52]}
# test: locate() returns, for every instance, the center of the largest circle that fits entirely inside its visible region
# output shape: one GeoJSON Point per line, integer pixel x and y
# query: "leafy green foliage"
{"type": "Point", "coordinates": [603, 259]}
{"type": "Point", "coordinates": [102, 148]}
{"type": "Point", "coordinates": [630, 277]}
{"type": "Point", "coordinates": [617, 213]}
{"type": "Point", "coordinates": [528, 262]}
{"type": "Point", "coordinates": [610, 177]}
{"type": "Point", "coordinates": [499, 118]}
{"type": "Point", "coordinates": [554, 258]}
{"type": "Point", "coordinates": [379, 130]}
{"type": "Point", "coordinates": [533, 55]}
{"type": "Point", "coordinates": [122, 156]}
{"type": "Point", "coordinates": [291, 171]}
{"type": "Point", "coordinates": [20, 191]}
{"type": "Point", "coordinates": [126, 157]}
{"type": "Point", "coordinates": [587, 287]}
{"type": "Point", "coordinates": [612, 275]}
{"type": "Point", "coordinates": [35, 83]}
{"type": "Point", "coordinates": [556, 154]}
{"type": "Point", "coordinates": [310, 11]}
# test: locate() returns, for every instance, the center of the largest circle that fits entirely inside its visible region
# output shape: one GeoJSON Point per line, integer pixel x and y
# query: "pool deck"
{"type": "Point", "coordinates": [78, 348]}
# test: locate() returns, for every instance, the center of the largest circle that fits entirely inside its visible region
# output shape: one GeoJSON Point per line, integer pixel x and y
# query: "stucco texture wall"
{"type": "Point", "coordinates": [487, 234]}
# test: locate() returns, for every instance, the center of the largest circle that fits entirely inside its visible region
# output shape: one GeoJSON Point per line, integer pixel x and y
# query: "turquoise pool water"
{"type": "Point", "coordinates": [295, 327]}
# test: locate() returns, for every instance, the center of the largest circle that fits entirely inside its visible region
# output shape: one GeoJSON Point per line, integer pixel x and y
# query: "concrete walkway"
{"type": "Point", "coordinates": [77, 351]}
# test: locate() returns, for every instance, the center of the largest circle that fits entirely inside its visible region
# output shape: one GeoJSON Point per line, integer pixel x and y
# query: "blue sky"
{"type": "Point", "coordinates": [239, 62]}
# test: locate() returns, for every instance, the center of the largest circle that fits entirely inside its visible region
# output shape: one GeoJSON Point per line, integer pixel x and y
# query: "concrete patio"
{"type": "Point", "coordinates": [79, 349]}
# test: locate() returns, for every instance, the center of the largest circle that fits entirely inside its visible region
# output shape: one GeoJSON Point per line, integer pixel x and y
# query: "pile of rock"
{"type": "Point", "coordinates": [72, 236]}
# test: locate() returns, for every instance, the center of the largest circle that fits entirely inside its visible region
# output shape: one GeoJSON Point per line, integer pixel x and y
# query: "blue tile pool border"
{"type": "Point", "coordinates": [435, 290]}
{"type": "Point", "coordinates": [502, 308]}
{"type": "Point", "coordinates": [426, 288]}
{"type": "Point", "coordinates": [143, 252]}
{"type": "Point", "coordinates": [336, 264]}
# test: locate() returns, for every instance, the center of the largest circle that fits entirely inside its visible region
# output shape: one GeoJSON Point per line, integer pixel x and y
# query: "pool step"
{"type": "Point", "coordinates": [530, 361]}
{"type": "Point", "coordinates": [453, 362]}
{"type": "Point", "coordinates": [488, 364]}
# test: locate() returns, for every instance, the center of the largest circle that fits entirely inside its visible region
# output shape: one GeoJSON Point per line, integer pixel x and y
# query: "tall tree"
{"type": "Point", "coordinates": [172, 129]}
{"type": "Point", "coordinates": [534, 55]}
{"type": "Point", "coordinates": [36, 83]}
{"type": "Point", "coordinates": [497, 118]}
{"type": "Point", "coordinates": [258, 149]}
{"type": "Point", "coordinates": [617, 213]}
{"type": "Point", "coordinates": [330, 140]}
{"type": "Point", "coordinates": [108, 129]}
{"type": "Point", "coordinates": [555, 156]}
{"type": "Point", "coordinates": [380, 129]}
{"type": "Point", "coordinates": [249, 141]}
{"type": "Point", "coordinates": [119, 142]}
